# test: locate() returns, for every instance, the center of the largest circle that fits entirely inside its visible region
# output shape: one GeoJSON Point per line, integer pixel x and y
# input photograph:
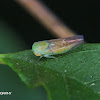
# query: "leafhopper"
{"type": "Point", "coordinates": [48, 48]}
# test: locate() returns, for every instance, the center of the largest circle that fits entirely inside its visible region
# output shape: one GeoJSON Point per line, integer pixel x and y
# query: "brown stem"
{"type": "Point", "coordinates": [46, 17]}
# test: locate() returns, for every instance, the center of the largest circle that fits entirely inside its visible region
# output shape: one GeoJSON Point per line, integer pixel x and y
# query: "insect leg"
{"type": "Point", "coordinates": [39, 59]}
{"type": "Point", "coordinates": [49, 56]}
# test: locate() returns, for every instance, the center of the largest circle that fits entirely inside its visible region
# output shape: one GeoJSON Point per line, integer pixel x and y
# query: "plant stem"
{"type": "Point", "coordinates": [46, 17]}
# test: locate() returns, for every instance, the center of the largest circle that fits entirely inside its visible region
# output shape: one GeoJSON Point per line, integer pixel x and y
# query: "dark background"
{"type": "Point", "coordinates": [81, 17]}
{"type": "Point", "coordinates": [18, 31]}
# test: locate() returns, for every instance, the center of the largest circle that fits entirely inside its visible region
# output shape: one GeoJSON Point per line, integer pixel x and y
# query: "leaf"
{"type": "Point", "coordinates": [74, 76]}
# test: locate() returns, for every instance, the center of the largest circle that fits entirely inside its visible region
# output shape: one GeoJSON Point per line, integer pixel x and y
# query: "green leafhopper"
{"type": "Point", "coordinates": [47, 48]}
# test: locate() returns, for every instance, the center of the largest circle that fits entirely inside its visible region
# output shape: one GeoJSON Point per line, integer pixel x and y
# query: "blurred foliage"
{"type": "Point", "coordinates": [11, 42]}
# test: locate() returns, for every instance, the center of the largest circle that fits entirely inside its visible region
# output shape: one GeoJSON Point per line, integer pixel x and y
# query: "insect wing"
{"type": "Point", "coordinates": [58, 46]}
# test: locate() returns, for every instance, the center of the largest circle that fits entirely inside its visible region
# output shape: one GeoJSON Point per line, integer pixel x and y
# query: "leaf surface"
{"type": "Point", "coordinates": [74, 76]}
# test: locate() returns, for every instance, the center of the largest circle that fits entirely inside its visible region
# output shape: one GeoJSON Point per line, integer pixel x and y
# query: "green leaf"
{"type": "Point", "coordinates": [74, 76]}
